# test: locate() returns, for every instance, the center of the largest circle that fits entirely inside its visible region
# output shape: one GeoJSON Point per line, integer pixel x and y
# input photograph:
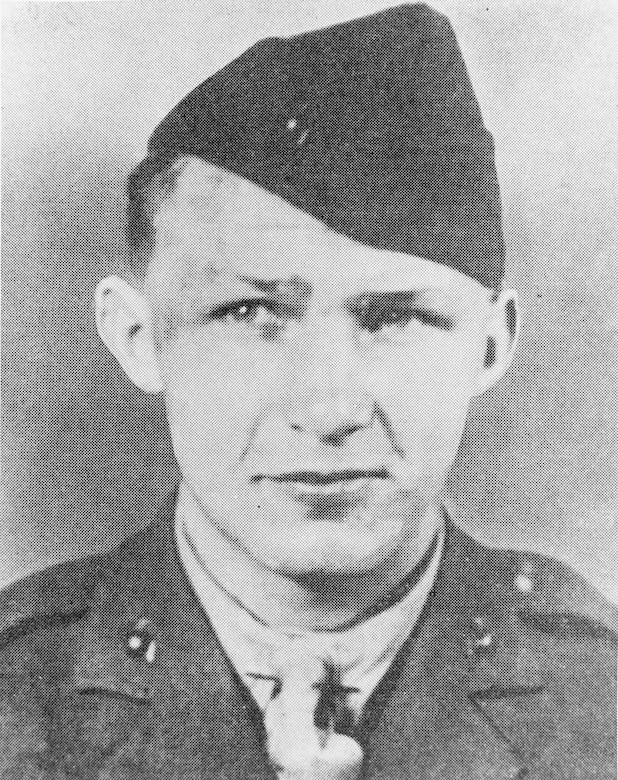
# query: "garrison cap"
{"type": "Point", "coordinates": [371, 126]}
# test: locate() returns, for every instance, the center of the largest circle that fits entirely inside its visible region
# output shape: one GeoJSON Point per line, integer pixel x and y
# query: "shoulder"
{"type": "Point", "coordinates": [551, 597]}
{"type": "Point", "coordinates": [39, 613]}
{"type": "Point", "coordinates": [542, 656]}
{"type": "Point", "coordinates": [39, 623]}
{"type": "Point", "coordinates": [546, 593]}
{"type": "Point", "coordinates": [45, 597]}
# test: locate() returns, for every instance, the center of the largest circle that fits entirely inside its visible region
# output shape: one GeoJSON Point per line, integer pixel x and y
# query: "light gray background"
{"type": "Point", "coordinates": [85, 454]}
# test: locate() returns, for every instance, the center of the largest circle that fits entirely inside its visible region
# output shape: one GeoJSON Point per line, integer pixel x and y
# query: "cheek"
{"type": "Point", "coordinates": [215, 397]}
{"type": "Point", "coordinates": [426, 394]}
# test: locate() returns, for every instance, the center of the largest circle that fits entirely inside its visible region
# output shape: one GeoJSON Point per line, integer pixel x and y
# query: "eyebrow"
{"type": "Point", "coordinates": [296, 285]}
{"type": "Point", "coordinates": [369, 297]}
{"type": "Point", "coordinates": [292, 287]}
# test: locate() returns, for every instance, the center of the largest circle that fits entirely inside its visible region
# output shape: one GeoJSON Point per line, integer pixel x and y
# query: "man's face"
{"type": "Point", "coordinates": [316, 389]}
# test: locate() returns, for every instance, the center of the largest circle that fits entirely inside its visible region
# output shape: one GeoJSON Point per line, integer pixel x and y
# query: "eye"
{"type": "Point", "coordinates": [376, 318]}
{"type": "Point", "coordinates": [431, 318]}
{"type": "Point", "coordinates": [257, 314]}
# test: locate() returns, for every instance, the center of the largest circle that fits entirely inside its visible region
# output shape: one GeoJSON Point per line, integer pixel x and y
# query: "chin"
{"type": "Point", "coordinates": [327, 549]}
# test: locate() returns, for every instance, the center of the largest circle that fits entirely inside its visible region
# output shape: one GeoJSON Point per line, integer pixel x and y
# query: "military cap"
{"type": "Point", "coordinates": [371, 126]}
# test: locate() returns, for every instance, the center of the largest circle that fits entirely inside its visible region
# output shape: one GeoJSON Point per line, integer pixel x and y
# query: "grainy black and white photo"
{"type": "Point", "coordinates": [310, 365]}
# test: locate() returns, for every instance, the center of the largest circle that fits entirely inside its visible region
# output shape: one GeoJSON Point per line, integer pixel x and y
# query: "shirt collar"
{"type": "Point", "coordinates": [362, 652]}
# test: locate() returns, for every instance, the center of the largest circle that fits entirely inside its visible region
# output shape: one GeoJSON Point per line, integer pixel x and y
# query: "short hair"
{"type": "Point", "coordinates": [149, 184]}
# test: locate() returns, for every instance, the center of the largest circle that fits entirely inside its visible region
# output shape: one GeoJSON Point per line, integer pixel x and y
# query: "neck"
{"type": "Point", "coordinates": [310, 604]}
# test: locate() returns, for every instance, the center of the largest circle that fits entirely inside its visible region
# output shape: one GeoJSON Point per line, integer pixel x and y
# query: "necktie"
{"type": "Point", "coordinates": [300, 723]}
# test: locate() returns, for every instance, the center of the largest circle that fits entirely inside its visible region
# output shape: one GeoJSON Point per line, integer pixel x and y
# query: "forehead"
{"type": "Point", "coordinates": [216, 225]}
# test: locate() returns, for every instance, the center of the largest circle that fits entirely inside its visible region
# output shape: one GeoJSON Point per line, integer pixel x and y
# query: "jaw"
{"type": "Point", "coordinates": [291, 571]}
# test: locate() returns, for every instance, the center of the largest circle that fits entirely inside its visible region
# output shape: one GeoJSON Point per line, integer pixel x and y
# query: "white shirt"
{"type": "Point", "coordinates": [362, 653]}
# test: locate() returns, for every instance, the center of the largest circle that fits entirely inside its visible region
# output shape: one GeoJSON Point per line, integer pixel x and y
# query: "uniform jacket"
{"type": "Point", "coordinates": [109, 670]}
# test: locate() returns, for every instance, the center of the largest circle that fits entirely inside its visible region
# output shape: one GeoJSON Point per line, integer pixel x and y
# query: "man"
{"type": "Point", "coordinates": [316, 288]}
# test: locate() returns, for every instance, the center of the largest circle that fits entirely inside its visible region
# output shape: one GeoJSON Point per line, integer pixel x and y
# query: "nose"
{"type": "Point", "coordinates": [326, 397]}
{"type": "Point", "coordinates": [331, 416]}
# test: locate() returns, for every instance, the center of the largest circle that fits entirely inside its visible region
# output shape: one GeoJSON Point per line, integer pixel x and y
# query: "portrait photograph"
{"type": "Point", "coordinates": [309, 390]}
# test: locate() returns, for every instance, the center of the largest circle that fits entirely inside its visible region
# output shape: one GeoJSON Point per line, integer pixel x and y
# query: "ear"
{"type": "Point", "coordinates": [124, 323]}
{"type": "Point", "coordinates": [502, 336]}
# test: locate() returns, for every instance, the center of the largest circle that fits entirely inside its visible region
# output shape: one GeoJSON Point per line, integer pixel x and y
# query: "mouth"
{"type": "Point", "coordinates": [338, 484]}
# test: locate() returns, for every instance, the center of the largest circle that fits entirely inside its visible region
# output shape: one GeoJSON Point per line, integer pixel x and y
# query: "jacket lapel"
{"type": "Point", "coordinates": [168, 704]}
{"type": "Point", "coordinates": [464, 698]}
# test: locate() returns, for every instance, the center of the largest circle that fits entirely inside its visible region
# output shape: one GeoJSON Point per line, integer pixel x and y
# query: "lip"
{"type": "Point", "coordinates": [334, 489]}
{"type": "Point", "coordinates": [317, 477]}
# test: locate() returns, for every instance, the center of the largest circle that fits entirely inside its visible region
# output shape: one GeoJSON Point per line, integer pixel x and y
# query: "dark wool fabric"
{"type": "Point", "coordinates": [496, 682]}
{"type": "Point", "coordinates": [371, 126]}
